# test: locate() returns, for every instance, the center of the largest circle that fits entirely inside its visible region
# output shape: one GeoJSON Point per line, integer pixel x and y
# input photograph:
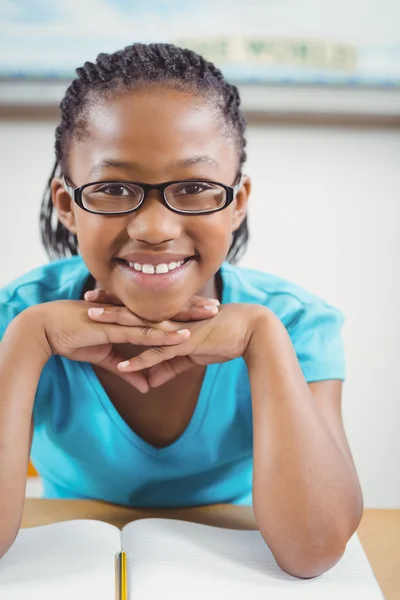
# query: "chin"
{"type": "Point", "coordinates": [154, 314]}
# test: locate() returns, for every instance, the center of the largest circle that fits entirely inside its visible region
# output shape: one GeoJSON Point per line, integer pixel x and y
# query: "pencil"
{"type": "Point", "coordinates": [122, 582]}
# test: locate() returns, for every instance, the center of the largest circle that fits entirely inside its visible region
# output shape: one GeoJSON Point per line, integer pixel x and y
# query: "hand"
{"type": "Point", "coordinates": [197, 308]}
{"type": "Point", "coordinates": [217, 340]}
{"type": "Point", "coordinates": [69, 332]}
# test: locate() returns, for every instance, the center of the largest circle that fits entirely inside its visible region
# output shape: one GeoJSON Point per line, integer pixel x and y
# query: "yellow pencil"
{"type": "Point", "coordinates": [122, 579]}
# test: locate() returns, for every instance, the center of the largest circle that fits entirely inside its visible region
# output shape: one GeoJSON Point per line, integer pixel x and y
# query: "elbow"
{"type": "Point", "coordinates": [8, 534]}
{"type": "Point", "coordinates": [310, 557]}
{"type": "Point", "coordinates": [315, 554]}
{"type": "Point", "coordinates": [309, 565]}
{"type": "Point", "coordinates": [5, 544]}
{"type": "Point", "coordinates": [307, 561]}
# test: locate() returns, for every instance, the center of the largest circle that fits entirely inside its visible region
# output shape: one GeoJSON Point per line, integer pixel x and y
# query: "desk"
{"type": "Point", "coordinates": [379, 530]}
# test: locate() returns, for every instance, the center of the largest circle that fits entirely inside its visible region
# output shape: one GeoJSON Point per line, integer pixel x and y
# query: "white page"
{"type": "Point", "coordinates": [72, 560]}
{"type": "Point", "coordinates": [176, 560]}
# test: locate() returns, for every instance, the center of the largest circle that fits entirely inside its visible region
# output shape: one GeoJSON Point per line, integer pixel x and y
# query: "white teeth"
{"type": "Point", "coordinates": [147, 269]}
{"type": "Point", "coordinates": [162, 268]}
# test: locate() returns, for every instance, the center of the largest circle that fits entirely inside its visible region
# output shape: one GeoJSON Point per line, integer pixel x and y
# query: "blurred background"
{"type": "Point", "coordinates": [320, 88]}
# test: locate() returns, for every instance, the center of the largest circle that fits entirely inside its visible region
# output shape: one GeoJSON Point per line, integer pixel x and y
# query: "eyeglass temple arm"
{"type": "Point", "coordinates": [239, 183]}
{"type": "Point", "coordinates": [67, 187]}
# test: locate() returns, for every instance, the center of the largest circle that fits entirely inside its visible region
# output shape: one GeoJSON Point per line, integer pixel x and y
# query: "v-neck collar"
{"type": "Point", "coordinates": [202, 402]}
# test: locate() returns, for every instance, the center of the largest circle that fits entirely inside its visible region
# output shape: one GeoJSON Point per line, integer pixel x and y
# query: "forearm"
{"type": "Point", "coordinates": [306, 496]}
{"type": "Point", "coordinates": [22, 358]}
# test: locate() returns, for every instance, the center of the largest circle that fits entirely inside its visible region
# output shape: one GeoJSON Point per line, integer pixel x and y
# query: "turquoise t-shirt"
{"type": "Point", "coordinates": [82, 448]}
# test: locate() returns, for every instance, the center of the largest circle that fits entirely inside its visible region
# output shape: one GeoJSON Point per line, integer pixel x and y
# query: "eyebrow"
{"type": "Point", "coordinates": [123, 164]}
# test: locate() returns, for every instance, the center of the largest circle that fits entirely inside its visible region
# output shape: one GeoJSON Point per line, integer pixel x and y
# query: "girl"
{"type": "Point", "coordinates": [140, 389]}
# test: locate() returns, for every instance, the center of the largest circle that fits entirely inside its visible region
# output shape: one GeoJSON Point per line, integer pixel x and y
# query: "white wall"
{"type": "Point", "coordinates": [324, 214]}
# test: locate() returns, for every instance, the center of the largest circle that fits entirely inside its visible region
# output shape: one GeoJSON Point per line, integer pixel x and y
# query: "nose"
{"type": "Point", "coordinates": [153, 222]}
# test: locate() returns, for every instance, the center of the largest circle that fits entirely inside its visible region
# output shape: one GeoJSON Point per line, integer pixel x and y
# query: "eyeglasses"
{"type": "Point", "coordinates": [187, 196]}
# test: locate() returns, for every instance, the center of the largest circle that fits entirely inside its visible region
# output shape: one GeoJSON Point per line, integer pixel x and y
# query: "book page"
{"type": "Point", "coordinates": [176, 560]}
{"type": "Point", "coordinates": [72, 560]}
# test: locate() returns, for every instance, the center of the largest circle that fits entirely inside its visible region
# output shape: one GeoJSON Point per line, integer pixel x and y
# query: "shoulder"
{"type": "Point", "coordinates": [313, 324]}
{"type": "Point", "coordinates": [285, 298]}
{"type": "Point", "coordinates": [59, 279]}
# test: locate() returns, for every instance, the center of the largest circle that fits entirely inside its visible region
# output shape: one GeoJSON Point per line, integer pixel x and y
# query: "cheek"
{"type": "Point", "coordinates": [98, 239]}
{"type": "Point", "coordinates": [216, 229]}
{"type": "Point", "coordinates": [213, 236]}
{"type": "Point", "coordinates": [96, 233]}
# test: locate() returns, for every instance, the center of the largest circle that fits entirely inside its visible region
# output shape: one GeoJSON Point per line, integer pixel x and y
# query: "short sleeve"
{"type": "Point", "coordinates": [7, 313]}
{"type": "Point", "coordinates": [315, 331]}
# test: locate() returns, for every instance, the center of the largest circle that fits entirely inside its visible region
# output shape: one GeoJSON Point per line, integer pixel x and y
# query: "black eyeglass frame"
{"type": "Point", "coordinates": [76, 194]}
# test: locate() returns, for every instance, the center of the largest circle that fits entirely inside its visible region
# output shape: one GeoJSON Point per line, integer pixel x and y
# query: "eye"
{"type": "Point", "coordinates": [116, 190]}
{"type": "Point", "coordinates": [191, 189]}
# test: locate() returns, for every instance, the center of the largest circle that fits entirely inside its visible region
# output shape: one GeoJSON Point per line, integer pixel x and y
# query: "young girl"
{"type": "Point", "coordinates": [152, 371]}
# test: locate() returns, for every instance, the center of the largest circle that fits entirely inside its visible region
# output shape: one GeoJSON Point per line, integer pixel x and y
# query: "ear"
{"type": "Point", "coordinates": [63, 204]}
{"type": "Point", "coordinates": [241, 200]}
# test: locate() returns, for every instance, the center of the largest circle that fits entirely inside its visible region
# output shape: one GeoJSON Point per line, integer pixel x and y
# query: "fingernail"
{"type": "Point", "coordinates": [212, 308]}
{"type": "Point", "coordinates": [183, 331]}
{"type": "Point", "coordinates": [89, 295]}
{"type": "Point", "coordinates": [123, 364]}
{"type": "Point", "coordinates": [213, 301]}
{"type": "Point", "coordinates": [96, 311]}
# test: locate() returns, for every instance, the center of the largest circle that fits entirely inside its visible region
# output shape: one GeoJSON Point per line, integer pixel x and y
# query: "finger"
{"type": "Point", "coordinates": [196, 312]}
{"type": "Point", "coordinates": [137, 380]}
{"type": "Point", "coordinates": [198, 308]}
{"type": "Point", "coordinates": [167, 370]}
{"type": "Point", "coordinates": [140, 336]}
{"type": "Point", "coordinates": [148, 358]}
{"type": "Point", "coordinates": [202, 300]}
{"type": "Point", "coordinates": [123, 316]}
{"type": "Point", "coordinates": [102, 296]}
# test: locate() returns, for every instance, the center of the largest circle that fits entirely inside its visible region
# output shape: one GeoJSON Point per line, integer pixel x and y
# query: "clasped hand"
{"type": "Point", "coordinates": [211, 337]}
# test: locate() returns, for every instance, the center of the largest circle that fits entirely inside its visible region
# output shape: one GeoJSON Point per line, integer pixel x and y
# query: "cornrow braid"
{"type": "Point", "coordinates": [136, 66]}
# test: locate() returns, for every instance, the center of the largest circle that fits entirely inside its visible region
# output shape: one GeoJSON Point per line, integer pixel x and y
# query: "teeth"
{"type": "Point", "coordinates": [162, 268]}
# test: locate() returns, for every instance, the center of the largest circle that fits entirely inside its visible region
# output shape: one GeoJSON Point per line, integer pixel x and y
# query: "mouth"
{"type": "Point", "coordinates": [155, 280]}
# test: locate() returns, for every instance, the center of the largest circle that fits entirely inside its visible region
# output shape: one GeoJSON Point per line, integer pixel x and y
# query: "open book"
{"type": "Point", "coordinates": [168, 560]}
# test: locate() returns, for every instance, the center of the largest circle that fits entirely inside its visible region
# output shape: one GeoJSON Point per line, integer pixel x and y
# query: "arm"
{"type": "Point", "coordinates": [306, 495]}
{"type": "Point", "coordinates": [22, 358]}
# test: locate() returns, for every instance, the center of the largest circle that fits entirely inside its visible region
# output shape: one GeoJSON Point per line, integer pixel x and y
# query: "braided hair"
{"type": "Point", "coordinates": [137, 66]}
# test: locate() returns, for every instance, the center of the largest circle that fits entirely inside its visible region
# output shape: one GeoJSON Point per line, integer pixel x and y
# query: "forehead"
{"type": "Point", "coordinates": [153, 128]}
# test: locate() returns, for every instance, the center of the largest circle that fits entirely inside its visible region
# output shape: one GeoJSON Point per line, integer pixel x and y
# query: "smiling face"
{"type": "Point", "coordinates": [161, 135]}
